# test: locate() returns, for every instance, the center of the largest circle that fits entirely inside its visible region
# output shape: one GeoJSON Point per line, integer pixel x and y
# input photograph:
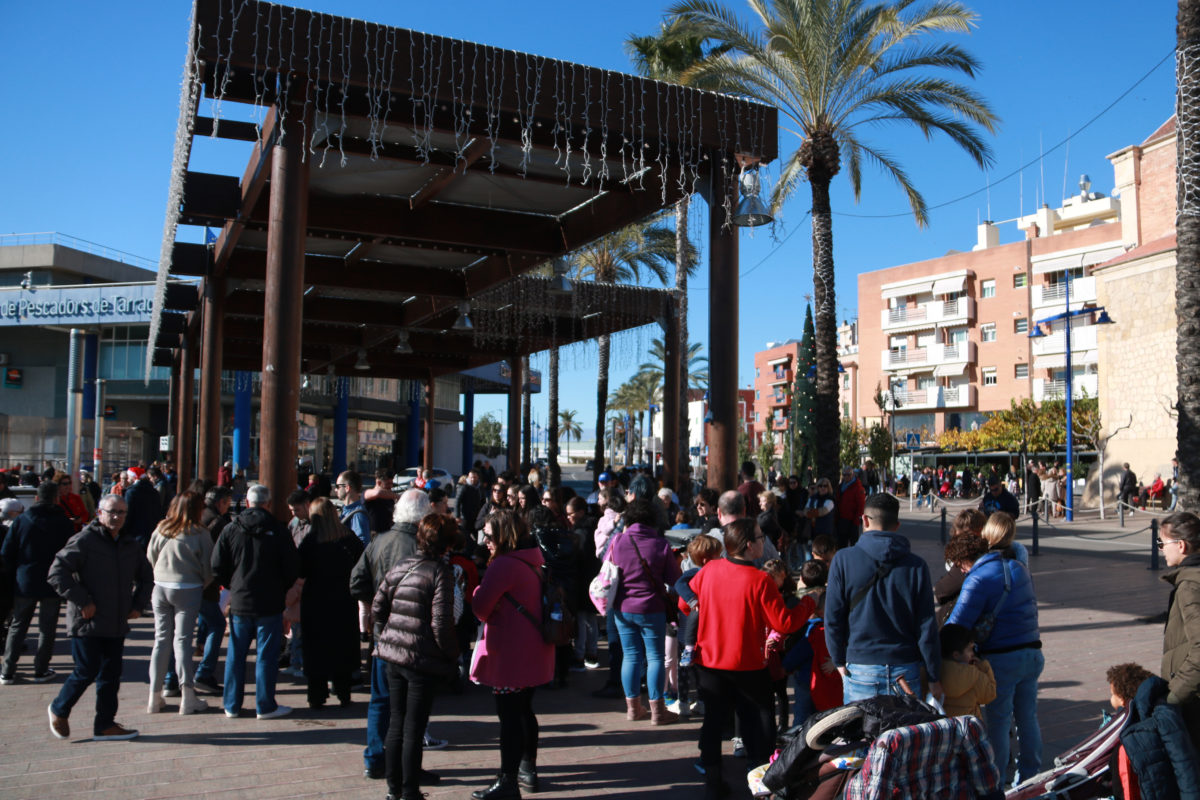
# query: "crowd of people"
{"type": "Point", "coordinates": [754, 608]}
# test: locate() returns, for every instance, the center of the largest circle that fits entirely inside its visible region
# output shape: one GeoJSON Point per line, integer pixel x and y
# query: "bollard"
{"type": "Point", "coordinates": [1121, 511]}
{"type": "Point", "coordinates": [943, 525]}
{"type": "Point", "coordinates": [1154, 545]}
{"type": "Point", "coordinates": [1035, 531]}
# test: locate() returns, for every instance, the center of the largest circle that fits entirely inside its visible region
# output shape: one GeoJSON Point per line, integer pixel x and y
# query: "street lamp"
{"type": "Point", "coordinates": [1036, 333]}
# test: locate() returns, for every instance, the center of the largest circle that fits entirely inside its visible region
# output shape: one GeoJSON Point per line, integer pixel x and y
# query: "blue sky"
{"type": "Point", "coordinates": [90, 94]}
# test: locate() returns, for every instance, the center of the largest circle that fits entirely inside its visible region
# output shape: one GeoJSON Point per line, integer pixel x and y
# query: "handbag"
{"type": "Point", "coordinates": [982, 631]}
{"type": "Point", "coordinates": [603, 588]}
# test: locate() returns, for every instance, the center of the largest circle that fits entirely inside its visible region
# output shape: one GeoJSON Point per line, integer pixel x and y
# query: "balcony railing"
{"type": "Point", "coordinates": [1083, 290]}
{"type": "Point", "coordinates": [929, 313]}
{"type": "Point", "coordinates": [1083, 386]}
{"type": "Point", "coordinates": [1083, 337]}
{"type": "Point", "coordinates": [935, 397]}
{"type": "Point", "coordinates": [931, 356]}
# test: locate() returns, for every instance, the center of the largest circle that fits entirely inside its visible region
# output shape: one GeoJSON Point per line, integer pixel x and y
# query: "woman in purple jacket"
{"type": "Point", "coordinates": [647, 566]}
{"type": "Point", "coordinates": [511, 656]}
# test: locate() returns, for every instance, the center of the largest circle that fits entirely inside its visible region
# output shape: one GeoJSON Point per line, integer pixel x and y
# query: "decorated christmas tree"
{"type": "Point", "coordinates": [801, 435]}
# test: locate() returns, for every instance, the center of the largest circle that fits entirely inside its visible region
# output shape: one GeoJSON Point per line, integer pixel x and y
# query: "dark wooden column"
{"type": "Point", "coordinates": [514, 412]}
{"type": "Point", "coordinates": [670, 401]}
{"type": "Point", "coordinates": [172, 409]}
{"type": "Point", "coordinates": [526, 416]}
{"type": "Point", "coordinates": [185, 433]}
{"type": "Point", "coordinates": [722, 326]}
{"type": "Point", "coordinates": [282, 317]}
{"type": "Point", "coordinates": [211, 357]}
{"type": "Point", "coordinates": [430, 408]}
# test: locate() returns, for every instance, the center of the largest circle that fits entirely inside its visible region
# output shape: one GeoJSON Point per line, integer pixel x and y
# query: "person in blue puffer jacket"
{"type": "Point", "coordinates": [999, 588]}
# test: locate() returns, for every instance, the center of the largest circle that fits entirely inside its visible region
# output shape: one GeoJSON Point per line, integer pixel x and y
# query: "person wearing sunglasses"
{"type": "Point", "coordinates": [1179, 540]}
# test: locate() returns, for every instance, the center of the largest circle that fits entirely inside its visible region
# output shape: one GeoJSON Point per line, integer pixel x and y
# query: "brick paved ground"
{"type": "Point", "coordinates": [1092, 589]}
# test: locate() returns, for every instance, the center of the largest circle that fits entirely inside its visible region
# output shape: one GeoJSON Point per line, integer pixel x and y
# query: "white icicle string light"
{"type": "Point", "coordinates": [347, 36]}
{"type": "Point", "coordinates": [256, 114]}
{"type": "Point", "coordinates": [602, 179]}
{"type": "Point", "coordinates": [284, 74]}
{"type": "Point", "coordinates": [391, 76]}
{"type": "Point", "coordinates": [491, 103]}
{"type": "Point", "coordinates": [328, 89]}
{"type": "Point", "coordinates": [559, 106]}
{"type": "Point", "coordinates": [587, 127]}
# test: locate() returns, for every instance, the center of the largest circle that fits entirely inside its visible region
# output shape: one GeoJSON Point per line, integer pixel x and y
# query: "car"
{"type": "Point", "coordinates": [590, 466]}
{"type": "Point", "coordinates": [404, 480]}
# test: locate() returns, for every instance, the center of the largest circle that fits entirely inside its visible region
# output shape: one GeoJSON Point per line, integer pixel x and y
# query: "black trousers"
{"type": "Point", "coordinates": [411, 698]}
{"type": "Point", "coordinates": [751, 694]}
{"type": "Point", "coordinates": [518, 730]}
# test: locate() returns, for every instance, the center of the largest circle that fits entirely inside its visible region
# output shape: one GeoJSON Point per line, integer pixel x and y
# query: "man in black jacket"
{"type": "Point", "coordinates": [28, 552]}
{"type": "Point", "coordinates": [145, 509]}
{"type": "Point", "coordinates": [1129, 486]}
{"type": "Point", "coordinates": [256, 559]}
{"type": "Point", "coordinates": [210, 629]}
{"type": "Point", "coordinates": [105, 578]}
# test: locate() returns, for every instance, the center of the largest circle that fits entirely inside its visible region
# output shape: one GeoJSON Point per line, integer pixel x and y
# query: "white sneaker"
{"type": "Point", "coordinates": [675, 708]}
{"type": "Point", "coordinates": [280, 711]}
{"type": "Point", "coordinates": [434, 743]}
{"type": "Point", "coordinates": [231, 714]}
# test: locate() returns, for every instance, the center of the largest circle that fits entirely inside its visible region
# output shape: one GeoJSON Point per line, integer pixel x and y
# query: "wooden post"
{"type": "Point", "coordinates": [722, 326]}
{"type": "Point", "coordinates": [282, 318]}
{"type": "Point", "coordinates": [430, 407]}
{"type": "Point", "coordinates": [172, 413]}
{"type": "Point", "coordinates": [211, 356]}
{"type": "Point", "coordinates": [185, 433]}
{"type": "Point", "coordinates": [670, 401]}
{"type": "Point", "coordinates": [517, 379]}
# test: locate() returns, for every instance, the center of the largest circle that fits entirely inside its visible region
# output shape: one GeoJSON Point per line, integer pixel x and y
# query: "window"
{"type": "Point", "coordinates": [989, 376]}
{"type": "Point", "coordinates": [757, 394]}
{"type": "Point", "coordinates": [756, 372]}
{"type": "Point", "coordinates": [123, 354]}
{"type": "Point", "coordinates": [987, 288]}
{"type": "Point", "coordinates": [1020, 280]}
{"type": "Point", "coordinates": [987, 332]}
{"type": "Point", "coordinates": [1021, 372]}
{"type": "Point", "coordinates": [1021, 325]}
{"type": "Point", "coordinates": [845, 410]}
{"type": "Point", "coordinates": [846, 380]}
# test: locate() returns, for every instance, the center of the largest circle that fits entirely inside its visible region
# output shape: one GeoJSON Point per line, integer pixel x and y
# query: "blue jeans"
{"type": "Point", "coordinates": [98, 659]}
{"type": "Point", "coordinates": [643, 648]}
{"type": "Point", "coordinates": [269, 631]}
{"type": "Point", "coordinates": [1016, 700]}
{"type": "Point", "coordinates": [379, 715]}
{"type": "Point", "coordinates": [869, 680]}
{"type": "Point", "coordinates": [210, 629]}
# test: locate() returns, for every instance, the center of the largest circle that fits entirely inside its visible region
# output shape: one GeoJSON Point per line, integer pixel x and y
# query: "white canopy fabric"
{"type": "Point", "coordinates": [1052, 361]}
{"type": "Point", "coordinates": [949, 370]}
{"type": "Point", "coordinates": [949, 285]}
{"type": "Point", "coordinates": [1089, 357]}
{"type": "Point", "coordinates": [780, 360]}
{"type": "Point", "coordinates": [906, 289]}
{"type": "Point", "coordinates": [1058, 264]}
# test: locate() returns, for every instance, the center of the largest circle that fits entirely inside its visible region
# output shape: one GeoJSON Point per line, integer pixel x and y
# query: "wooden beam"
{"type": "Point", "coordinates": [331, 271]}
{"type": "Point", "coordinates": [448, 174]}
{"type": "Point", "coordinates": [209, 199]}
{"type": "Point", "coordinates": [228, 129]}
{"type": "Point", "coordinates": [189, 259]}
{"type": "Point", "coordinates": [254, 179]}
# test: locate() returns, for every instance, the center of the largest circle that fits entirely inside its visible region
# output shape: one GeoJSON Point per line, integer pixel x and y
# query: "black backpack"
{"type": "Point", "coordinates": [557, 622]}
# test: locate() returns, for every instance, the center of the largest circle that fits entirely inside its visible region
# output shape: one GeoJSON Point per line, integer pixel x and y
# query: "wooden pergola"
{"type": "Point", "coordinates": [399, 180]}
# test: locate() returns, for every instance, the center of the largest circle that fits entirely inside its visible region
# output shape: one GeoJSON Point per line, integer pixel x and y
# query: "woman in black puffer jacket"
{"type": "Point", "coordinates": [414, 609]}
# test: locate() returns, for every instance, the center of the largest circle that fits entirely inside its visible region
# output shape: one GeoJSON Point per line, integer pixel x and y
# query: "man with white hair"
{"type": "Point", "coordinates": [256, 558]}
{"type": "Point", "coordinates": [384, 552]}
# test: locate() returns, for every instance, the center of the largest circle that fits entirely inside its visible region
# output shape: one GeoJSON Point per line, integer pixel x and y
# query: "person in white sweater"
{"type": "Point", "coordinates": [180, 553]}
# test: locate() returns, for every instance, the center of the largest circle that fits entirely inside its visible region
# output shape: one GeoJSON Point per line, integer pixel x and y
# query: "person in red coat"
{"type": "Point", "coordinates": [511, 656]}
{"type": "Point", "coordinates": [738, 604]}
{"type": "Point", "coordinates": [71, 503]}
{"type": "Point", "coordinates": [851, 502]}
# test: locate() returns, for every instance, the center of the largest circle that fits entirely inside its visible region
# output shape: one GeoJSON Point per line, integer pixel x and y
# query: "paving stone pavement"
{"type": "Point", "coordinates": [1093, 588]}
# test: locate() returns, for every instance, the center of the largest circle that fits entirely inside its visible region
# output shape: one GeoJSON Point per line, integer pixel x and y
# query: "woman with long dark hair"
{"type": "Point", "coordinates": [414, 612]}
{"type": "Point", "coordinates": [331, 643]}
{"type": "Point", "coordinates": [180, 553]}
{"type": "Point", "coordinates": [511, 657]}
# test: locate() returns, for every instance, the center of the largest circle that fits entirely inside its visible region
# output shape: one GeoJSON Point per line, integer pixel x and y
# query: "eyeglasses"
{"type": "Point", "coordinates": [1162, 543]}
{"type": "Point", "coordinates": [121, 512]}
{"type": "Point", "coordinates": [342, 485]}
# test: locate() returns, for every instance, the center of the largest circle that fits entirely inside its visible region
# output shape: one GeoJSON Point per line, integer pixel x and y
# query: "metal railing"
{"type": "Point", "coordinates": [75, 243]}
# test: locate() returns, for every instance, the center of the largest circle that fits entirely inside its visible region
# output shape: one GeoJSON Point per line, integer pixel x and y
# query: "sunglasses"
{"type": "Point", "coordinates": [1162, 543]}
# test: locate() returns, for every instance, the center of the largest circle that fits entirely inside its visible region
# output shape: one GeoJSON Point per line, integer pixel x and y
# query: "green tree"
{"type": "Point", "coordinates": [622, 256]}
{"type": "Point", "coordinates": [837, 69]}
{"type": "Point", "coordinates": [765, 456]}
{"type": "Point", "coordinates": [879, 446]}
{"type": "Point", "coordinates": [850, 439]}
{"type": "Point", "coordinates": [569, 426]}
{"type": "Point", "coordinates": [802, 419]}
{"type": "Point", "coordinates": [486, 435]}
{"type": "Point", "coordinates": [695, 365]}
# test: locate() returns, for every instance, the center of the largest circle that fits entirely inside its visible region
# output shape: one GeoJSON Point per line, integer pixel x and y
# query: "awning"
{"type": "Point", "coordinates": [1100, 256]}
{"type": "Point", "coordinates": [782, 360]}
{"type": "Point", "coordinates": [1089, 357]}
{"type": "Point", "coordinates": [904, 290]}
{"type": "Point", "coordinates": [1058, 264]}
{"type": "Point", "coordinates": [949, 285]}
{"type": "Point", "coordinates": [949, 370]}
{"type": "Point", "coordinates": [1053, 361]}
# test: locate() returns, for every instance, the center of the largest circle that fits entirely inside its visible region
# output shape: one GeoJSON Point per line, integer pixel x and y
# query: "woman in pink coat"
{"type": "Point", "coordinates": [511, 657]}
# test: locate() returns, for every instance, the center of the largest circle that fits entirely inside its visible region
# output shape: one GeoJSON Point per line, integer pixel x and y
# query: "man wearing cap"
{"type": "Point", "coordinates": [998, 498]}
{"type": "Point", "coordinates": [607, 480]}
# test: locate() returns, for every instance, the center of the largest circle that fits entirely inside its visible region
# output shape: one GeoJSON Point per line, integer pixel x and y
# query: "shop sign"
{"type": "Point", "coordinates": [308, 434]}
{"type": "Point", "coordinates": [376, 438]}
{"type": "Point", "coordinates": [12, 377]}
{"type": "Point", "coordinates": [78, 305]}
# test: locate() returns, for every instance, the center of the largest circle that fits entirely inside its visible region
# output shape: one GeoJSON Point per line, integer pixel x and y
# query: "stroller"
{"type": "Point", "coordinates": [886, 746]}
{"type": "Point", "coordinates": [1083, 772]}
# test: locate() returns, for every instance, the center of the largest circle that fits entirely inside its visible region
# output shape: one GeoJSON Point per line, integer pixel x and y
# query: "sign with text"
{"type": "Point", "coordinates": [12, 377]}
{"type": "Point", "coordinates": [78, 305]}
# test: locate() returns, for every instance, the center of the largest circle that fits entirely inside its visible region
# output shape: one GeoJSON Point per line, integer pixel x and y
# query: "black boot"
{"type": "Point", "coordinates": [527, 776]}
{"type": "Point", "coordinates": [505, 788]}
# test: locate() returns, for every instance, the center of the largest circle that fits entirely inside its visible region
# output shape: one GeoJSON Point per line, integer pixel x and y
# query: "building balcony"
{"type": "Point", "coordinates": [958, 396]}
{"type": "Point", "coordinates": [928, 315]}
{"type": "Point", "coordinates": [931, 357]}
{"type": "Point", "coordinates": [1082, 386]}
{"type": "Point", "coordinates": [1083, 290]}
{"type": "Point", "coordinates": [1083, 338]}
{"type": "Point", "coordinates": [935, 397]}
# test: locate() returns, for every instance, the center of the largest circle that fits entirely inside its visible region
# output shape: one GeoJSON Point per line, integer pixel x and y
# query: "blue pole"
{"type": "Point", "coordinates": [242, 390]}
{"type": "Point", "coordinates": [413, 450]}
{"type": "Point", "coordinates": [1069, 505]}
{"type": "Point", "coordinates": [468, 434]}
{"type": "Point", "coordinates": [341, 421]}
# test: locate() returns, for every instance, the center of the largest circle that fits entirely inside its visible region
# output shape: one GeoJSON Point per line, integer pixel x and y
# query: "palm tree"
{"type": "Point", "coordinates": [622, 256]}
{"type": "Point", "coordinates": [695, 366]}
{"type": "Point", "coordinates": [835, 69]}
{"type": "Point", "coordinates": [552, 423]}
{"type": "Point", "coordinates": [667, 57]}
{"type": "Point", "coordinates": [1187, 279]}
{"type": "Point", "coordinates": [646, 390]}
{"type": "Point", "coordinates": [569, 427]}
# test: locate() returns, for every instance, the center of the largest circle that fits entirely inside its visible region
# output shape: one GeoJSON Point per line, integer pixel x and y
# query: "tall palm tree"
{"type": "Point", "coordinates": [836, 69]}
{"type": "Point", "coordinates": [695, 366]}
{"type": "Point", "coordinates": [667, 57]}
{"type": "Point", "coordinates": [629, 400]}
{"type": "Point", "coordinates": [623, 255]}
{"type": "Point", "coordinates": [1187, 259]}
{"type": "Point", "coordinates": [569, 427]}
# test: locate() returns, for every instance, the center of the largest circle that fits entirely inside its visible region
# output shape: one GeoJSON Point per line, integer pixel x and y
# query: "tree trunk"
{"type": "Point", "coordinates": [1187, 266]}
{"type": "Point", "coordinates": [601, 406]}
{"type": "Point", "coordinates": [527, 418]}
{"type": "Point", "coordinates": [641, 448]}
{"type": "Point", "coordinates": [681, 282]}
{"type": "Point", "coordinates": [552, 423]}
{"type": "Point", "coordinates": [827, 425]}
